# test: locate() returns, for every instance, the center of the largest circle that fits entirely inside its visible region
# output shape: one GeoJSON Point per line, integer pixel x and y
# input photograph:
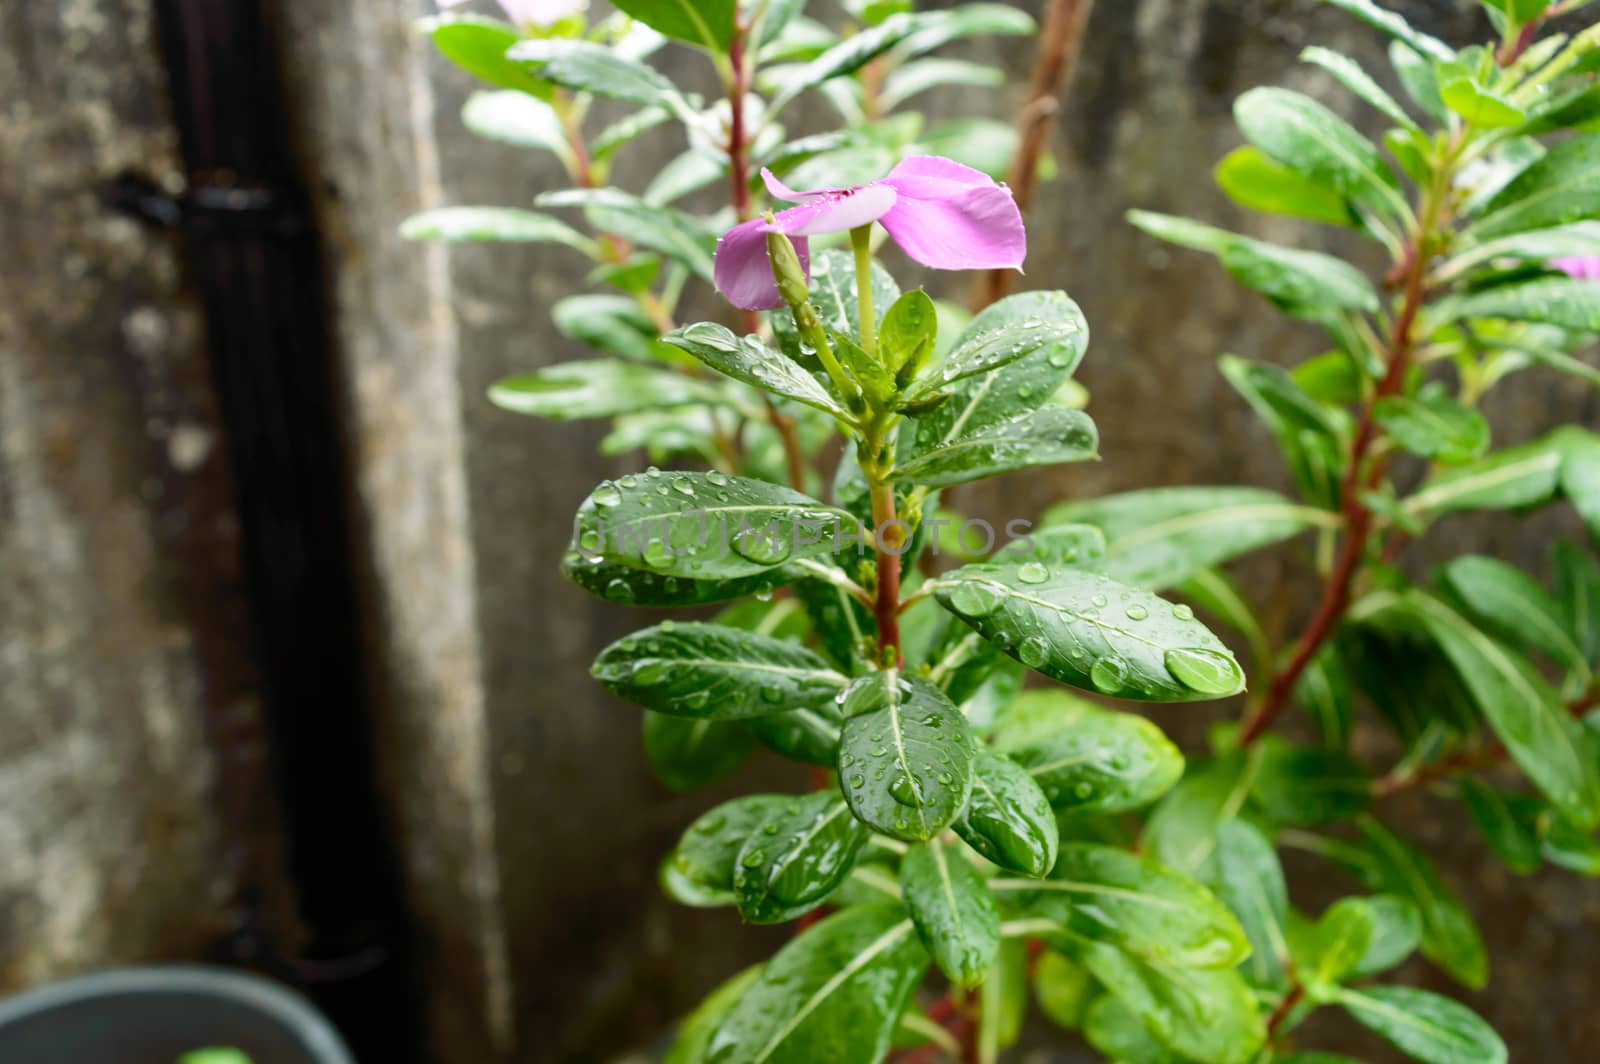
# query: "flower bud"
{"type": "Point", "coordinates": [787, 270]}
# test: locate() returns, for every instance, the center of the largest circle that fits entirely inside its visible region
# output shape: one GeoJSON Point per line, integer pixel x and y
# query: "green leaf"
{"type": "Point", "coordinates": [516, 118]}
{"type": "Point", "coordinates": [694, 1033]}
{"type": "Point", "coordinates": [1396, 934]}
{"type": "Point", "coordinates": [1396, 27]}
{"type": "Point", "coordinates": [1309, 786]}
{"type": "Point", "coordinates": [1449, 937]}
{"type": "Point", "coordinates": [663, 229]}
{"type": "Point", "coordinates": [848, 56]}
{"type": "Point", "coordinates": [478, 45]}
{"type": "Point", "coordinates": [1307, 433]}
{"type": "Point", "coordinates": [1578, 590]}
{"type": "Point", "coordinates": [1479, 106]}
{"type": "Point", "coordinates": [629, 586]}
{"type": "Point", "coordinates": [986, 145]}
{"type": "Point", "coordinates": [1007, 332]}
{"type": "Point", "coordinates": [1107, 895]}
{"type": "Point", "coordinates": [1421, 83]}
{"type": "Point", "coordinates": [1003, 1002]}
{"type": "Point", "coordinates": [809, 735]}
{"type": "Point", "coordinates": [954, 912]}
{"type": "Point", "coordinates": [1163, 536]}
{"type": "Point", "coordinates": [570, 391]}
{"type": "Point", "coordinates": [1424, 1025]}
{"type": "Point", "coordinates": [939, 28]}
{"type": "Point", "coordinates": [909, 333]}
{"type": "Point", "coordinates": [1324, 689]}
{"type": "Point", "coordinates": [1306, 284]}
{"type": "Point", "coordinates": [1085, 758]}
{"type": "Point", "coordinates": [704, 526]}
{"type": "Point", "coordinates": [1505, 480]}
{"type": "Point", "coordinates": [918, 77]}
{"type": "Point", "coordinates": [707, 855]}
{"type": "Point", "coordinates": [1339, 942]}
{"type": "Point", "coordinates": [1008, 819]}
{"type": "Point", "coordinates": [1092, 632]}
{"type": "Point", "coordinates": [1305, 136]}
{"type": "Point", "coordinates": [780, 14]}
{"type": "Point", "coordinates": [685, 753]}
{"type": "Point", "coordinates": [626, 130]}
{"type": "Point", "coordinates": [1568, 846]}
{"type": "Point", "coordinates": [1351, 76]}
{"type": "Point", "coordinates": [1044, 437]}
{"type": "Point", "coordinates": [1562, 187]}
{"type": "Point", "coordinates": [1433, 425]}
{"type": "Point", "coordinates": [1514, 839]}
{"type": "Point", "coordinates": [796, 857]}
{"type": "Point", "coordinates": [707, 23]}
{"type": "Point", "coordinates": [583, 66]}
{"type": "Point", "coordinates": [1063, 989]}
{"type": "Point", "coordinates": [492, 225]}
{"type": "Point", "coordinates": [1116, 1032]}
{"type": "Point", "coordinates": [747, 359]}
{"type": "Point", "coordinates": [1202, 1014]}
{"type": "Point", "coordinates": [1567, 110]}
{"type": "Point", "coordinates": [1244, 871]}
{"type": "Point", "coordinates": [905, 760]}
{"type": "Point", "coordinates": [1524, 711]}
{"type": "Point", "coordinates": [1569, 302]}
{"type": "Point", "coordinates": [713, 672]}
{"type": "Point", "coordinates": [833, 294]}
{"type": "Point", "coordinates": [614, 324]}
{"type": "Point", "coordinates": [1575, 240]}
{"type": "Point", "coordinates": [1580, 473]}
{"type": "Point", "coordinates": [1252, 179]}
{"type": "Point", "coordinates": [833, 993]}
{"type": "Point", "coordinates": [1516, 608]}
{"type": "Point", "coordinates": [980, 403]}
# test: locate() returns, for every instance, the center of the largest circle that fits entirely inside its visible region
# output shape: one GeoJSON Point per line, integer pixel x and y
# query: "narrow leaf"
{"type": "Point", "coordinates": [796, 857]}
{"type": "Point", "coordinates": [1424, 1025]}
{"type": "Point", "coordinates": [954, 912]}
{"type": "Point", "coordinates": [1044, 437]}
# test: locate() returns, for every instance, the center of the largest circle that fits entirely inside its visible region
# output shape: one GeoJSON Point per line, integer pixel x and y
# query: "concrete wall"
{"type": "Point", "coordinates": [528, 824]}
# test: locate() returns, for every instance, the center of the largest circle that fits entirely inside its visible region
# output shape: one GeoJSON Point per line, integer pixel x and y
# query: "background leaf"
{"type": "Point", "coordinates": [954, 912]}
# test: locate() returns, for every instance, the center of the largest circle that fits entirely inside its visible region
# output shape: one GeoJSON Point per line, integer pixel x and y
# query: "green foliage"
{"type": "Point", "coordinates": [957, 819]}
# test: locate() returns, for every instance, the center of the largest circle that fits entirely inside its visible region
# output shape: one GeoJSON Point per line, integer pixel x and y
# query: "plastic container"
{"type": "Point", "coordinates": [155, 1015]}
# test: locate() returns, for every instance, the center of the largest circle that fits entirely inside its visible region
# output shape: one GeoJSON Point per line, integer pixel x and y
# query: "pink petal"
{"type": "Point", "coordinates": [743, 271]}
{"type": "Point", "coordinates": [838, 212]}
{"type": "Point", "coordinates": [952, 217]}
{"type": "Point", "coordinates": [1584, 268]}
{"type": "Point", "coordinates": [539, 12]}
{"type": "Point", "coordinates": [779, 190]}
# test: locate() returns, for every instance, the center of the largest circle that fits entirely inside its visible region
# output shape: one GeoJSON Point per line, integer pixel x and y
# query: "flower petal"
{"type": "Point", "coordinates": [1583, 268]}
{"type": "Point", "coordinates": [952, 217]}
{"type": "Point", "coordinates": [539, 12]}
{"type": "Point", "coordinates": [743, 271]}
{"type": "Point", "coordinates": [838, 212]}
{"type": "Point", "coordinates": [779, 190]}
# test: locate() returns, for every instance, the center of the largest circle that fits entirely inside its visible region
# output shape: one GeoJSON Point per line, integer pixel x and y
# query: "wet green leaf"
{"type": "Point", "coordinates": [1308, 433]}
{"type": "Point", "coordinates": [715, 672]}
{"type": "Point", "coordinates": [1162, 536]}
{"type": "Point", "coordinates": [1424, 1025]}
{"type": "Point", "coordinates": [694, 1033]}
{"type": "Point", "coordinates": [748, 359]}
{"type": "Point", "coordinates": [954, 912]}
{"type": "Point", "coordinates": [707, 855]}
{"type": "Point", "coordinates": [1396, 934]}
{"type": "Point", "coordinates": [1449, 937]}
{"type": "Point", "coordinates": [1396, 27]}
{"type": "Point", "coordinates": [707, 23]}
{"type": "Point", "coordinates": [584, 66]}
{"type": "Point", "coordinates": [1562, 187]}
{"type": "Point", "coordinates": [1044, 437]}
{"type": "Point", "coordinates": [478, 45]}
{"type": "Point", "coordinates": [796, 857]}
{"type": "Point", "coordinates": [1480, 106]}
{"type": "Point", "coordinates": [1244, 872]}
{"type": "Point", "coordinates": [516, 118]}
{"type": "Point", "coordinates": [686, 753]}
{"type": "Point", "coordinates": [1309, 786]}
{"type": "Point", "coordinates": [1008, 819]}
{"type": "Point", "coordinates": [628, 586]}
{"type": "Point", "coordinates": [1514, 837]}
{"type": "Point", "coordinates": [1569, 302]}
{"type": "Point", "coordinates": [1182, 832]}
{"type": "Point", "coordinates": [1305, 136]}
{"type": "Point", "coordinates": [1113, 1029]}
{"type": "Point", "coordinates": [807, 735]}
{"type": "Point", "coordinates": [1087, 759]}
{"type": "Point", "coordinates": [1253, 179]}
{"type": "Point", "coordinates": [847, 56]}
{"type": "Point", "coordinates": [909, 333]}
{"type": "Point", "coordinates": [1063, 988]}
{"type": "Point", "coordinates": [596, 388]}
{"type": "Point", "coordinates": [492, 225]}
{"type": "Point", "coordinates": [1003, 1002]}
{"type": "Point", "coordinates": [1513, 606]}
{"type": "Point", "coordinates": [1504, 480]}
{"type": "Point", "coordinates": [1580, 473]}
{"type": "Point", "coordinates": [905, 760]}
{"type": "Point", "coordinates": [1013, 329]}
{"type": "Point", "coordinates": [1353, 77]}
{"type": "Point", "coordinates": [1092, 632]}
{"type": "Point", "coordinates": [834, 993]}
{"type": "Point", "coordinates": [677, 235]}
{"type": "Point", "coordinates": [1578, 591]}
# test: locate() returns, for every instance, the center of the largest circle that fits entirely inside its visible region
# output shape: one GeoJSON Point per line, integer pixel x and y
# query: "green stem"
{"type": "Point", "coordinates": [861, 243]}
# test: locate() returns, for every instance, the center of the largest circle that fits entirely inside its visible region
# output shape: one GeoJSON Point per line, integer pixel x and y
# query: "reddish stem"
{"type": "Point", "coordinates": [1060, 42]}
{"type": "Point", "coordinates": [1290, 1000]}
{"type": "Point", "coordinates": [1358, 518]}
{"type": "Point", "coordinates": [886, 603]}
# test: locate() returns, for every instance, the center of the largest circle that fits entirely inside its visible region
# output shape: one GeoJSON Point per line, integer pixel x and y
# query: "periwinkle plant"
{"type": "Point", "coordinates": [971, 844]}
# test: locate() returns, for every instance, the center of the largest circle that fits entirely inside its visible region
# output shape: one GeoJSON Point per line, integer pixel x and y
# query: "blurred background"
{"type": "Point", "coordinates": [289, 678]}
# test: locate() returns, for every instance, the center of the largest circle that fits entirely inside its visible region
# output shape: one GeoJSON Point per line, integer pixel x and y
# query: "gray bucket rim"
{"type": "Point", "coordinates": [276, 1001]}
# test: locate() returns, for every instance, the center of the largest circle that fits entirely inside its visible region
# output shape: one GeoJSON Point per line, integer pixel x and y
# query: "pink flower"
{"type": "Point", "coordinates": [1586, 268]}
{"type": "Point", "coordinates": [942, 214]}
{"type": "Point", "coordinates": [530, 12]}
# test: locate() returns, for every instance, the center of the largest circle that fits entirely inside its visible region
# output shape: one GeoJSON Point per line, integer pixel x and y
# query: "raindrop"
{"type": "Point", "coordinates": [629, 481]}
{"type": "Point", "coordinates": [1137, 612]}
{"type": "Point", "coordinates": [763, 549]}
{"type": "Point", "coordinates": [619, 590]}
{"type": "Point", "coordinates": [903, 789]}
{"type": "Point", "coordinates": [772, 695]}
{"type": "Point", "coordinates": [1099, 601]}
{"type": "Point", "coordinates": [1034, 651]}
{"type": "Point", "coordinates": [1109, 675]}
{"type": "Point", "coordinates": [683, 487]}
{"type": "Point", "coordinates": [607, 494]}
{"type": "Point", "coordinates": [974, 600]}
{"type": "Point", "coordinates": [1033, 573]}
{"type": "Point", "coordinates": [1183, 612]}
{"type": "Point", "coordinates": [1206, 671]}
{"type": "Point", "coordinates": [717, 477]}
{"type": "Point", "coordinates": [656, 553]}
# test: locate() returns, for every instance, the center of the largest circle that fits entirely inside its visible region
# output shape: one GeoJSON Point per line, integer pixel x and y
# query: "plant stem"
{"type": "Point", "coordinates": [861, 244]}
{"type": "Point", "coordinates": [1412, 270]}
{"type": "Point", "coordinates": [1290, 1000]}
{"type": "Point", "coordinates": [783, 424]}
{"type": "Point", "coordinates": [1060, 42]}
{"type": "Point", "coordinates": [889, 544]}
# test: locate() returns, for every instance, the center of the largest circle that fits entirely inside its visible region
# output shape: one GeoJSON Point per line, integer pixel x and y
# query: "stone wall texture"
{"type": "Point", "coordinates": [528, 824]}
